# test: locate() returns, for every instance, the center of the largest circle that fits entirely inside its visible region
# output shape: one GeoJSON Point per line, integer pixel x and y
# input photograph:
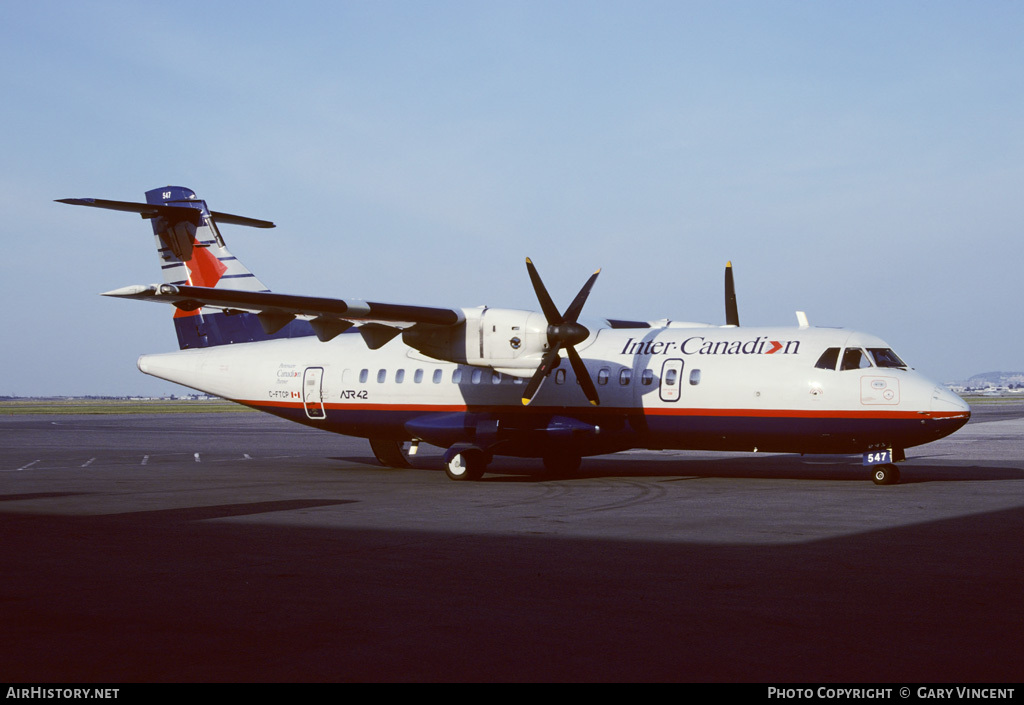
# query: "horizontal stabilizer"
{"type": "Point", "coordinates": [173, 213]}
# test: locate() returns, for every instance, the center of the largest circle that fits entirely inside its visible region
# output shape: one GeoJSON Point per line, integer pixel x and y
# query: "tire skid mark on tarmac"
{"type": "Point", "coordinates": [643, 492]}
{"type": "Point", "coordinates": [549, 491]}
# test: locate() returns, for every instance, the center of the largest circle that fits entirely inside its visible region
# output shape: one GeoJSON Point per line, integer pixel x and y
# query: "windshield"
{"type": "Point", "coordinates": [828, 359]}
{"type": "Point", "coordinates": [855, 359]}
{"type": "Point", "coordinates": [885, 357]}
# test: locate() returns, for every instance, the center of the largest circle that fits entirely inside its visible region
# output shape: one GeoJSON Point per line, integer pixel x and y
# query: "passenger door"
{"type": "Point", "coordinates": [671, 379]}
{"type": "Point", "coordinates": [312, 396]}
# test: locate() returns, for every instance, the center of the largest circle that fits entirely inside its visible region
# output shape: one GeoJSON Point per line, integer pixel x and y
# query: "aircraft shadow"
{"type": "Point", "coordinates": [768, 466]}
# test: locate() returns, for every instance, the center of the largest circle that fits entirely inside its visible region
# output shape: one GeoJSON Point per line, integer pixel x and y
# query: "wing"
{"type": "Point", "coordinates": [379, 321]}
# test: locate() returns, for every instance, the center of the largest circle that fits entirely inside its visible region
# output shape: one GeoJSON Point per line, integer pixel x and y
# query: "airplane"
{"type": "Point", "coordinates": [485, 382]}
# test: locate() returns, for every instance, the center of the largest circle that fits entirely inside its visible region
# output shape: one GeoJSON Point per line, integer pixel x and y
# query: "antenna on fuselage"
{"type": "Point", "coordinates": [732, 315]}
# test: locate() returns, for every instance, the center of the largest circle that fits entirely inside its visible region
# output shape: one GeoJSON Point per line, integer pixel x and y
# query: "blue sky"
{"type": "Point", "coordinates": [862, 161]}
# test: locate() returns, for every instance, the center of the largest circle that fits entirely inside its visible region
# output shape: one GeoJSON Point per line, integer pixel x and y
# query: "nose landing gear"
{"type": "Point", "coordinates": [883, 465]}
{"type": "Point", "coordinates": [887, 474]}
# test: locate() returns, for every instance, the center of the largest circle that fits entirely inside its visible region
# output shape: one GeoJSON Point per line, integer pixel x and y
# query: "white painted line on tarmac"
{"type": "Point", "coordinates": [197, 457]}
{"type": "Point", "coordinates": [26, 466]}
{"type": "Point", "coordinates": [87, 463]}
{"type": "Point", "coordinates": [145, 459]}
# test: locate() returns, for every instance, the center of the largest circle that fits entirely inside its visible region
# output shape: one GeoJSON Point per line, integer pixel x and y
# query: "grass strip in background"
{"type": "Point", "coordinates": [10, 407]}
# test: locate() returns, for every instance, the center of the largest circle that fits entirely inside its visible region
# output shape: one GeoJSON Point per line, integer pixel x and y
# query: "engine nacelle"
{"type": "Point", "coordinates": [511, 340]}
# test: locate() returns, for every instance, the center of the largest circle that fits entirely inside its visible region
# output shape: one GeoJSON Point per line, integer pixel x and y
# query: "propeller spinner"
{"type": "Point", "coordinates": [563, 332]}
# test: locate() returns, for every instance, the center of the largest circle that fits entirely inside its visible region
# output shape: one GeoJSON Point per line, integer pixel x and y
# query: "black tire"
{"type": "Point", "coordinates": [469, 465]}
{"type": "Point", "coordinates": [390, 453]}
{"type": "Point", "coordinates": [561, 465]}
{"type": "Point", "coordinates": [885, 475]}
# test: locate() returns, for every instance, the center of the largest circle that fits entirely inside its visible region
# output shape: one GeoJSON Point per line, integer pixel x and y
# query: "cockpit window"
{"type": "Point", "coordinates": [885, 357]}
{"type": "Point", "coordinates": [855, 359]}
{"type": "Point", "coordinates": [828, 359]}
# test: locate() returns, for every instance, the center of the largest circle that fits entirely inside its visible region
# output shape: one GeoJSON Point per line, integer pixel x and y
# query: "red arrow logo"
{"type": "Point", "coordinates": [776, 346]}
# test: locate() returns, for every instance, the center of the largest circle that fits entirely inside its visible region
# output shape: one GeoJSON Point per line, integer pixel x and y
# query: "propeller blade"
{"type": "Point", "coordinates": [563, 332]}
{"type": "Point", "coordinates": [546, 365]}
{"type": "Point", "coordinates": [583, 376]}
{"type": "Point", "coordinates": [573, 312]}
{"type": "Point", "coordinates": [546, 304]}
{"type": "Point", "coordinates": [732, 315]}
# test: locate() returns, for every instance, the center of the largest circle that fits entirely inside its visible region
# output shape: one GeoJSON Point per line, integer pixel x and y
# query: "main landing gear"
{"type": "Point", "coordinates": [462, 463]}
{"type": "Point", "coordinates": [470, 463]}
{"type": "Point", "coordinates": [393, 454]}
{"type": "Point", "coordinates": [561, 465]}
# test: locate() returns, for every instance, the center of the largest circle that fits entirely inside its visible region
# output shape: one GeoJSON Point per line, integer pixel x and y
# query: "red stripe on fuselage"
{"type": "Point", "coordinates": [657, 411]}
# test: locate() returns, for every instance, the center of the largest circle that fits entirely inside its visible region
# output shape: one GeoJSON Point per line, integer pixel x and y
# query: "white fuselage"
{"type": "Point", "coordinates": [669, 387]}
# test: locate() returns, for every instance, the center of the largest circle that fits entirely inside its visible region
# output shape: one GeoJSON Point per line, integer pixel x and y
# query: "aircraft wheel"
{"type": "Point", "coordinates": [390, 453]}
{"type": "Point", "coordinates": [561, 465]}
{"type": "Point", "coordinates": [466, 465]}
{"type": "Point", "coordinates": [885, 475]}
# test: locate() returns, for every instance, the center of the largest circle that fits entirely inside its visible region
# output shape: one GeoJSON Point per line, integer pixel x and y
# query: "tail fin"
{"type": "Point", "coordinates": [190, 246]}
{"type": "Point", "coordinates": [192, 252]}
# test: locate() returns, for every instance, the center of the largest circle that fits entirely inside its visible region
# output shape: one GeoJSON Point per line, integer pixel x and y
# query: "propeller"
{"type": "Point", "coordinates": [732, 316]}
{"type": "Point", "coordinates": [563, 332]}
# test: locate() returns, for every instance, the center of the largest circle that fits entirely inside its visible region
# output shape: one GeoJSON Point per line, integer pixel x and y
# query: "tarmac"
{"type": "Point", "coordinates": [243, 548]}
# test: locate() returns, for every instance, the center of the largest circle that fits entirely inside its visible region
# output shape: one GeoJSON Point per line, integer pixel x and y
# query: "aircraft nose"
{"type": "Point", "coordinates": [948, 402]}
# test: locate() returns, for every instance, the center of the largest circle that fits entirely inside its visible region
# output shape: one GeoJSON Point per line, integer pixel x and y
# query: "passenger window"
{"type": "Point", "coordinates": [400, 376]}
{"type": "Point", "coordinates": [559, 376]}
{"type": "Point", "coordinates": [476, 375]}
{"type": "Point", "coordinates": [670, 376]}
{"type": "Point", "coordinates": [828, 359]}
{"type": "Point", "coordinates": [625, 376]}
{"type": "Point", "coordinates": [602, 375]}
{"type": "Point", "coordinates": [382, 376]}
{"type": "Point", "coordinates": [417, 376]}
{"type": "Point", "coordinates": [647, 377]}
{"type": "Point", "coordinates": [855, 359]}
{"type": "Point", "coordinates": [457, 375]}
{"type": "Point", "coordinates": [695, 377]}
{"type": "Point", "coordinates": [495, 378]}
{"type": "Point", "coordinates": [364, 375]}
{"type": "Point", "coordinates": [437, 376]}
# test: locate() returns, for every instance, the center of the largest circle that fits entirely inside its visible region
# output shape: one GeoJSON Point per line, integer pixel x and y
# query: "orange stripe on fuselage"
{"type": "Point", "coordinates": [658, 411]}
